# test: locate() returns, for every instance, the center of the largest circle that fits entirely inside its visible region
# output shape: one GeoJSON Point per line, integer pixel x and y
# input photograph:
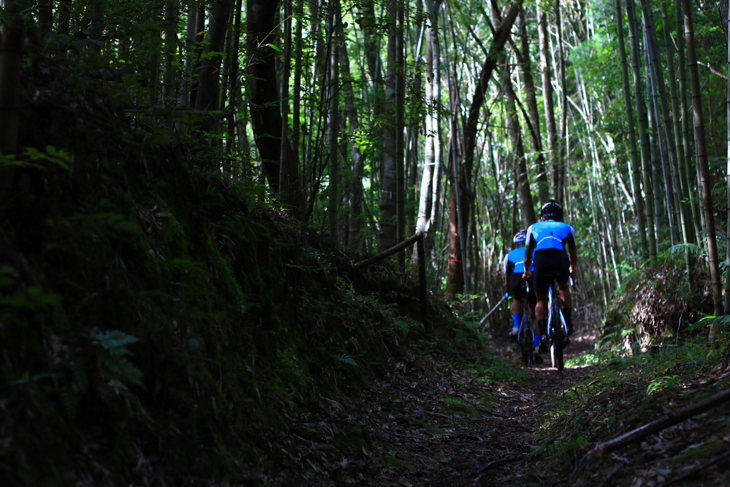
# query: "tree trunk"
{"type": "Point", "coordinates": [643, 137]}
{"type": "Point", "coordinates": [727, 175]}
{"type": "Point", "coordinates": [334, 122]}
{"type": "Point", "coordinates": [635, 166]}
{"type": "Point", "coordinates": [666, 122]}
{"type": "Point", "coordinates": [264, 100]}
{"type": "Point", "coordinates": [547, 92]}
{"type": "Point", "coordinates": [355, 239]}
{"type": "Point", "coordinates": [11, 60]}
{"type": "Point", "coordinates": [400, 85]}
{"type": "Point", "coordinates": [523, 52]}
{"type": "Point", "coordinates": [426, 192]}
{"type": "Point", "coordinates": [702, 160]}
{"type": "Point", "coordinates": [689, 166]}
{"type": "Point", "coordinates": [562, 159]}
{"type": "Point", "coordinates": [209, 79]}
{"type": "Point", "coordinates": [654, 121]}
{"type": "Point", "coordinates": [387, 236]}
{"type": "Point", "coordinates": [456, 270]}
{"type": "Point", "coordinates": [168, 83]}
{"type": "Point", "coordinates": [515, 134]}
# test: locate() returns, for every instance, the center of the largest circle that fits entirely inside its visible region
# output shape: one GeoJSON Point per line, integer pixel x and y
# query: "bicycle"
{"type": "Point", "coordinates": [556, 334]}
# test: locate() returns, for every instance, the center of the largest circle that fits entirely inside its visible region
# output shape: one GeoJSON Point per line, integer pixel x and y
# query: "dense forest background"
{"type": "Point", "coordinates": [370, 121]}
{"type": "Point", "coordinates": [185, 187]}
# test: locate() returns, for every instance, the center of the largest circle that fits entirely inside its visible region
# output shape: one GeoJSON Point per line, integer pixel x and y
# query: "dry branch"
{"type": "Point", "coordinates": [387, 253]}
{"type": "Point", "coordinates": [661, 423]}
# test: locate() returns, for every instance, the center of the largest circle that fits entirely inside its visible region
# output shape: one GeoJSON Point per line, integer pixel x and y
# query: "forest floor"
{"type": "Point", "coordinates": [430, 423]}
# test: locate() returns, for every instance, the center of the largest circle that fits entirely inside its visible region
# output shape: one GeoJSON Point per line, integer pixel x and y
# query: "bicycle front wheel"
{"type": "Point", "coordinates": [556, 349]}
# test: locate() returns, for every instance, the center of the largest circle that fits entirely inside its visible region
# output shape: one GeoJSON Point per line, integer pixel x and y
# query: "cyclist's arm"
{"type": "Point", "coordinates": [528, 262]}
{"type": "Point", "coordinates": [507, 273]}
{"type": "Point", "coordinates": [573, 254]}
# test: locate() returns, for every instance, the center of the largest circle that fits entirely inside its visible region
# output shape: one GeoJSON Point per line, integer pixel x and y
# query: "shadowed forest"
{"type": "Point", "coordinates": [262, 242]}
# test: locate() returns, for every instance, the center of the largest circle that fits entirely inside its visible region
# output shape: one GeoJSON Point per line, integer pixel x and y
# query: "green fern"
{"type": "Point", "coordinates": [343, 357]}
{"type": "Point", "coordinates": [115, 343]}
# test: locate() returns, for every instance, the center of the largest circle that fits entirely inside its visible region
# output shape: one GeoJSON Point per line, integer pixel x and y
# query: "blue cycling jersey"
{"type": "Point", "coordinates": [550, 235]}
{"type": "Point", "coordinates": [515, 262]}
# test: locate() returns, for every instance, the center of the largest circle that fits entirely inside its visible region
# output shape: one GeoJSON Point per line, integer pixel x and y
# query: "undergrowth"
{"type": "Point", "coordinates": [155, 312]}
{"type": "Point", "coordinates": [623, 393]}
{"type": "Point", "coordinates": [659, 305]}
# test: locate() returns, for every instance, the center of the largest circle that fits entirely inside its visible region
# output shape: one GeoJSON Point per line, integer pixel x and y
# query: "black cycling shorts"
{"type": "Point", "coordinates": [546, 261]}
{"type": "Point", "coordinates": [519, 289]}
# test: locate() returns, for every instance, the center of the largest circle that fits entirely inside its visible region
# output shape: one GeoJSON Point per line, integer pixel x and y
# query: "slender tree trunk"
{"type": "Point", "coordinates": [547, 93]}
{"type": "Point", "coordinates": [666, 121]}
{"type": "Point", "coordinates": [355, 238]}
{"type": "Point", "coordinates": [209, 79]}
{"type": "Point", "coordinates": [543, 184]}
{"type": "Point", "coordinates": [682, 187]}
{"type": "Point", "coordinates": [689, 166]}
{"type": "Point", "coordinates": [701, 152]}
{"type": "Point", "coordinates": [264, 101]}
{"type": "Point", "coordinates": [11, 60]}
{"type": "Point", "coordinates": [426, 193]}
{"type": "Point", "coordinates": [387, 237]}
{"type": "Point", "coordinates": [436, 119]}
{"type": "Point", "coordinates": [45, 18]}
{"type": "Point", "coordinates": [199, 37]}
{"type": "Point", "coordinates": [643, 137]}
{"type": "Point", "coordinates": [399, 129]}
{"type": "Point", "coordinates": [635, 164]}
{"type": "Point", "coordinates": [522, 182]}
{"type": "Point", "coordinates": [727, 175]}
{"type": "Point", "coordinates": [334, 123]}
{"type": "Point", "coordinates": [654, 120]}
{"type": "Point", "coordinates": [454, 286]}
{"type": "Point", "coordinates": [168, 84]}
{"type": "Point", "coordinates": [559, 182]}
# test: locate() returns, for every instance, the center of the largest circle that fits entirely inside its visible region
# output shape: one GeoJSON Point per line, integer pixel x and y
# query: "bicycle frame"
{"type": "Point", "coordinates": [553, 294]}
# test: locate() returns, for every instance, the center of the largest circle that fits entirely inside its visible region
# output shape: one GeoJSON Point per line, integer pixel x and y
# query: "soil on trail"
{"type": "Point", "coordinates": [428, 424]}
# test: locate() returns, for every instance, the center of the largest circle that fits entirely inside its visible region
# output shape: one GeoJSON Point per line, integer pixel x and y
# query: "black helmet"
{"type": "Point", "coordinates": [552, 211]}
{"type": "Point", "coordinates": [519, 238]}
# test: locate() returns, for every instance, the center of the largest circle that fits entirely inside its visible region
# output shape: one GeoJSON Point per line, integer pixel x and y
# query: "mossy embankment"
{"type": "Point", "coordinates": [155, 312]}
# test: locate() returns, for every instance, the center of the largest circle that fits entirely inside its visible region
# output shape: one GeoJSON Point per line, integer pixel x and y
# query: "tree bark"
{"type": "Point", "coordinates": [209, 79]}
{"type": "Point", "coordinates": [11, 60]}
{"type": "Point", "coordinates": [701, 152]}
{"type": "Point", "coordinates": [333, 130]}
{"type": "Point", "coordinates": [635, 167]}
{"type": "Point", "coordinates": [264, 101]}
{"type": "Point", "coordinates": [455, 284]}
{"type": "Point", "coordinates": [643, 137]}
{"type": "Point", "coordinates": [547, 92]}
{"type": "Point", "coordinates": [689, 166]}
{"type": "Point", "coordinates": [543, 185]}
{"type": "Point", "coordinates": [387, 236]}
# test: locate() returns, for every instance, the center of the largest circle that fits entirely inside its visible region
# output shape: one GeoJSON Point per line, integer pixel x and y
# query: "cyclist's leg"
{"type": "Point", "coordinates": [566, 299]}
{"type": "Point", "coordinates": [541, 284]}
{"type": "Point", "coordinates": [517, 287]}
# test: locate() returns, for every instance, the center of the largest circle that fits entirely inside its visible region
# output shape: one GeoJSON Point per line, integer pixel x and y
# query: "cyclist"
{"type": "Point", "coordinates": [550, 246]}
{"type": "Point", "coordinates": [513, 281]}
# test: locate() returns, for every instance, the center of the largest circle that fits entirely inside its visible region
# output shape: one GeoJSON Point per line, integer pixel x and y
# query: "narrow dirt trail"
{"type": "Point", "coordinates": [429, 423]}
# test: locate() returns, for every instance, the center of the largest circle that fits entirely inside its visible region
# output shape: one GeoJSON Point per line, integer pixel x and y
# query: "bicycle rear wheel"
{"type": "Point", "coordinates": [556, 349]}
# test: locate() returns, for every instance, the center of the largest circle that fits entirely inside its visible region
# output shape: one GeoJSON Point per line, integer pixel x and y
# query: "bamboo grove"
{"type": "Point", "coordinates": [369, 120]}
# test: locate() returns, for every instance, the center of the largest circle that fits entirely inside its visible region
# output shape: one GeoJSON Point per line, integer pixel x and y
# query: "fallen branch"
{"type": "Point", "coordinates": [693, 471]}
{"type": "Point", "coordinates": [655, 426]}
{"type": "Point", "coordinates": [387, 253]}
{"type": "Point", "coordinates": [662, 423]}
